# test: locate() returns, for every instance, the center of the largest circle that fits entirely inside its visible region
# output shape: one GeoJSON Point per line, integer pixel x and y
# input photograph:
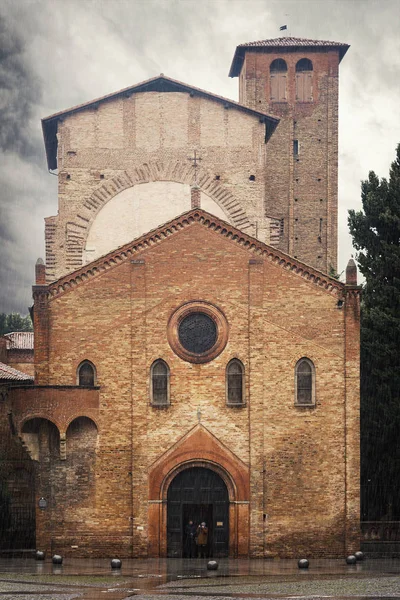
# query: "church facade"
{"type": "Point", "coordinates": [195, 359]}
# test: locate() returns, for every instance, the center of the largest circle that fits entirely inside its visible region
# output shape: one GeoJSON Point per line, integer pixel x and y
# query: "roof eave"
{"type": "Point", "coordinates": [49, 124]}
{"type": "Point", "coordinates": [240, 51]}
{"type": "Point", "coordinates": [69, 281]}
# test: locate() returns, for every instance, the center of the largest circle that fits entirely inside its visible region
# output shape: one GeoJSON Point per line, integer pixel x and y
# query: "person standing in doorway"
{"type": "Point", "coordinates": [202, 540]}
{"type": "Point", "coordinates": [190, 537]}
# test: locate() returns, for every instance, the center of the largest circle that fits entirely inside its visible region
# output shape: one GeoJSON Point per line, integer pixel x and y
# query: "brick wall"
{"type": "Point", "coordinates": [300, 189]}
{"type": "Point", "coordinates": [303, 470]}
{"type": "Point", "coordinates": [22, 360]}
{"type": "Point", "coordinates": [145, 138]}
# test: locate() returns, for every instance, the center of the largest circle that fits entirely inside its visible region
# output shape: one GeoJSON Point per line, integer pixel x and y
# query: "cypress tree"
{"type": "Point", "coordinates": [376, 236]}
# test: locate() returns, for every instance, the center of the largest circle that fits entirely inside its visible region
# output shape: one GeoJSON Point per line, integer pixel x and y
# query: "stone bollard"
{"type": "Point", "coordinates": [359, 555]}
{"type": "Point", "coordinates": [39, 555]}
{"type": "Point", "coordinates": [116, 563]}
{"type": "Point", "coordinates": [212, 565]}
{"type": "Point", "coordinates": [351, 560]}
{"type": "Point", "coordinates": [57, 559]}
{"type": "Point", "coordinates": [303, 563]}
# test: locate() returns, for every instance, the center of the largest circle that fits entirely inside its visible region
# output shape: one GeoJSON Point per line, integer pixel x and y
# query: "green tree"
{"type": "Point", "coordinates": [376, 237]}
{"type": "Point", "coordinates": [14, 322]}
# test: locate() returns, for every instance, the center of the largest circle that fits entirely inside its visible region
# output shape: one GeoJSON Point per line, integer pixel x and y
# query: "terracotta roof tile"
{"type": "Point", "coordinates": [292, 41]}
{"type": "Point", "coordinates": [282, 42]}
{"type": "Point", "coordinates": [7, 373]}
{"type": "Point", "coordinates": [19, 340]}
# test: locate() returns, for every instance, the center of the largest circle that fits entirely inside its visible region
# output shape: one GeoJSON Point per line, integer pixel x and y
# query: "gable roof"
{"type": "Point", "coordinates": [257, 249]}
{"type": "Point", "coordinates": [283, 43]}
{"type": "Point", "coordinates": [155, 84]}
{"type": "Point", "coordinates": [19, 340]}
{"type": "Point", "coordinates": [7, 373]}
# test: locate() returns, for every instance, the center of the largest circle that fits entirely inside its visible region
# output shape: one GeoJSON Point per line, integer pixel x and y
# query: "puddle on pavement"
{"type": "Point", "coordinates": [94, 578]}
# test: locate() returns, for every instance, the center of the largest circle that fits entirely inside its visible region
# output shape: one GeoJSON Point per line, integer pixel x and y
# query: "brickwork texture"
{"type": "Point", "coordinates": [104, 455]}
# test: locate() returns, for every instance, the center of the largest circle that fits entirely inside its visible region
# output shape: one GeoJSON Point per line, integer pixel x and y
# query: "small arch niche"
{"type": "Point", "coordinates": [41, 438]}
{"type": "Point", "coordinates": [86, 374]}
{"type": "Point", "coordinates": [159, 383]}
{"type": "Point", "coordinates": [278, 80]}
{"type": "Point", "coordinates": [81, 446]}
{"type": "Point", "coordinates": [304, 80]}
{"type": "Point", "coordinates": [235, 383]}
{"type": "Point", "coordinates": [305, 383]}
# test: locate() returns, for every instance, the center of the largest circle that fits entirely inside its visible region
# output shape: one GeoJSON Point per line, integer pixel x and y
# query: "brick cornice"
{"type": "Point", "coordinates": [210, 222]}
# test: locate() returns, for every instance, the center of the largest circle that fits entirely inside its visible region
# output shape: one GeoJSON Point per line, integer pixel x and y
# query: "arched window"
{"type": "Point", "coordinates": [305, 382]}
{"type": "Point", "coordinates": [277, 77]}
{"type": "Point", "coordinates": [86, 374]}
{"type": "Point", "coordinates": [159, 374]}
{"type": "Point", "coordinates": [304, 80]}
{"type": "Point", "coordinates": [235, 382]}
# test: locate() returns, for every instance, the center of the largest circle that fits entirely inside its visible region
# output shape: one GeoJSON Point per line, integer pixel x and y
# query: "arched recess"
{"type": "Point", "coordinates": [199, 448]}
{"type": "Point", "coordinates": [41, 438]}
{"type": "Point", "coordinates": [80, 462]}
{"type": "Point", "coordinates": [170, 171]}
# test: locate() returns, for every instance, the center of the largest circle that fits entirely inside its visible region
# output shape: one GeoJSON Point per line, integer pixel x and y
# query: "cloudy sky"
{"type": "Point", "coordinates": [59, 53]}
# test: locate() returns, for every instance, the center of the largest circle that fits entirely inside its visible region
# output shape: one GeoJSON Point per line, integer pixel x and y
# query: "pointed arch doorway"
{"type": "Point", "coordinates": [199, 448]}
{"type": "Point", "coordinates": [197, 494]}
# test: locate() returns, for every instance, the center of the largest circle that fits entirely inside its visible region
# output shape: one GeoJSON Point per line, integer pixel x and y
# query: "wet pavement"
{"type": "Point", "coordinates": [171, 579]}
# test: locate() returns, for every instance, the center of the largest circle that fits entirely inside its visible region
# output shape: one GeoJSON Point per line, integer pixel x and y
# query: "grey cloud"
{"type": "Point", "coordinates": [58, 54]}
{"type": "Point", "coordinates": [19, 92]}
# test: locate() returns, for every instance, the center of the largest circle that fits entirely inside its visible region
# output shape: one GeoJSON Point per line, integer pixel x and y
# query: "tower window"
{"type": "Point", "coordinates": [235, 382]}
{"type": "Point", "coordinates": [295, 147]}
{"type": "Point", "coordinates": [305, 383]}
{"type": "Point", "coordinates": [304, 80]}
{"type": "Point", "coordinates": [159, 376]}
{"type": "Point", "coordinates": [304, 65]}
{"type": "Point", "coordinates": [278, 78]}
{"type": "Point", "coordinates": [252, 178]}
{"type": "Point", "coordinates": [86, 374]}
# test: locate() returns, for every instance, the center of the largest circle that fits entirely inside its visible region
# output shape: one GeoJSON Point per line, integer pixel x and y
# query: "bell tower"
{"type": "Point", "coordinates": [297, 80]}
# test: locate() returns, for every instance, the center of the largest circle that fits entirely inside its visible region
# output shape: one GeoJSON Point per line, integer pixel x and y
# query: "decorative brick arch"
{"type": "Point", "coordinates": [179, 172]}
{"type": "Point", "coordinates": [199, 448]}
{"type": "Point", "coordinates": [79, 415]}
{"type": "Point", "coordinates": [38, 415]}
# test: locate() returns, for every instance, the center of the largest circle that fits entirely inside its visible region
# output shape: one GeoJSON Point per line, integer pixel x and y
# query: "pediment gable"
{"type": "Point", "coordinates": [214, 225]}
{"type": "Point", "coordinates": [199, 446]}
{"type": "Point", "coordinates": [156, 84]}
